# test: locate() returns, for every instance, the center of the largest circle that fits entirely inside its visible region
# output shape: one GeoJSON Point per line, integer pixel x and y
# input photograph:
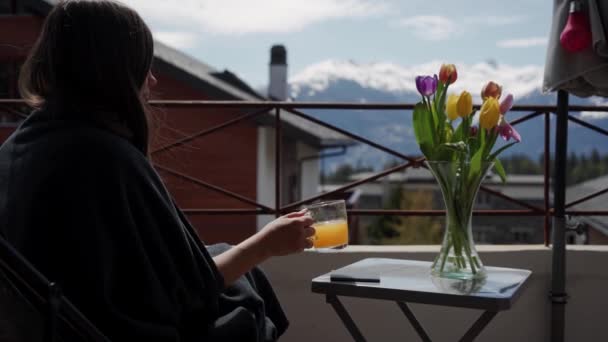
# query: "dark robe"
{"type": "Point", "coordinates": [86, 208]}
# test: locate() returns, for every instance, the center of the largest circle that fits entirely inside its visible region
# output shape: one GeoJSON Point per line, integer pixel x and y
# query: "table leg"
{"type": "Point", "coordinates": [478, 326]}
{"type": "Point", "coordinates": [345, 317]}
{"type": "Point", "coordinates": [417, 326]}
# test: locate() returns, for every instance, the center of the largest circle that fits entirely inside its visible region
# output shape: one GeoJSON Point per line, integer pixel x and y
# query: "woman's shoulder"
{"type": "Point", "coordinates": [70, 145]}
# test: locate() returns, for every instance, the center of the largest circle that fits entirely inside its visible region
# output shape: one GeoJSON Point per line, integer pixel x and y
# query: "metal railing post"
{"type": "Point", "coordinates": [558, 282]}
{"type": "Point", "coordinates": [277, 160]}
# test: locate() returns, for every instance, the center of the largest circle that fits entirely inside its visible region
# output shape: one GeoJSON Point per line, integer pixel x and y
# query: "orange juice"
{"type": "Point", "coordinates": [331, 234]}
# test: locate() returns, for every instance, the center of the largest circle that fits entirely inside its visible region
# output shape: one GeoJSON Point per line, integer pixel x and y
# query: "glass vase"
{"type": "Point", "coordinates": [459, 183]}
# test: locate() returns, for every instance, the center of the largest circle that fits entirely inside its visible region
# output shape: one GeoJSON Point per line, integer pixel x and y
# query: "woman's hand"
{"type": "Point", "coordinates": [287, 234]}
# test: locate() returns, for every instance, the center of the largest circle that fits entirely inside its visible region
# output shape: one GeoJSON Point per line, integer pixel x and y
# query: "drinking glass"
{"type": "Point", "coordinates": [330, 223]}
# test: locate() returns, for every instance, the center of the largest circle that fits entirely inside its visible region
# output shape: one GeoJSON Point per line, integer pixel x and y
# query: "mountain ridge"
{"type": "Point", "coordinates": [385, 82]}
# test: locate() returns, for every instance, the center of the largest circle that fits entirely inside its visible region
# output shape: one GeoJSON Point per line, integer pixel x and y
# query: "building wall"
{"type": "Point", "coordinates": [225, 158]}
{"type": "Point", "coordinates": [266, 168]}
{"type": "Point", "coordinates": [309, 170]}
{"type": "Point", "coordinates": [17, 34]}
{"type": "Point", "coordinates": [596, 238]}
{"type": "Point", "coordinates": [298, 180]}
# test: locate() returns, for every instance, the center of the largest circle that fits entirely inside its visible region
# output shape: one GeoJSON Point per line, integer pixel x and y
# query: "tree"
{"type": "Point", "coordinates": [407, 230]}
{"type": "Point", "coordinates": [595, 157]}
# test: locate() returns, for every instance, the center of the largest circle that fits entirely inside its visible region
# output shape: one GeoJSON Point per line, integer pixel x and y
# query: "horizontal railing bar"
{"type": "Point", "coordinates": [328, 105]}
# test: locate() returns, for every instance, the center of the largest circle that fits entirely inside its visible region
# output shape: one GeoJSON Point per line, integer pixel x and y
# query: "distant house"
{"type": "Point", "coordinates": [487, 229]}
{"type": "Point", "coordinates": [594, 228]}
{"type": "Point", "coordinates": [239, 158]}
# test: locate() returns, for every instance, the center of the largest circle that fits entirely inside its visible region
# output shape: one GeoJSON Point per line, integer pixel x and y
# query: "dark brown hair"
{"type": "Point", "coordinates": [92, 57]}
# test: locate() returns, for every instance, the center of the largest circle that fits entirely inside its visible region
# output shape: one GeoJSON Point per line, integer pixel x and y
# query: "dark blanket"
{"type": "Point", "coordinates": [89, 211]}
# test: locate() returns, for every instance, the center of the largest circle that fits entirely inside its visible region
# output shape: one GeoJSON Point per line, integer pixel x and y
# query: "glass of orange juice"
{"type": "Point", "coordinates": [331, 225]}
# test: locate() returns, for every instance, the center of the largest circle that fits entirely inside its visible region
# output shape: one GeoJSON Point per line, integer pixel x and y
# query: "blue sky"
{"type": "Point", "coordinates": [237, 34]}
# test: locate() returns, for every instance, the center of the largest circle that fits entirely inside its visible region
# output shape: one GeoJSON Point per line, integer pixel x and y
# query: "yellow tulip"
{"type": "Point", "coordinates": [465, 104]}
{"type": "Point", "coordinates": [452, 107]}
{"type": "Point", "coordinates": [489, 114]}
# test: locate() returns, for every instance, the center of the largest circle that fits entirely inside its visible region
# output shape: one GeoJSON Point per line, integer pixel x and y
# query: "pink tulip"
{"type": "Point", "coordinates": [507, 131]}
{"type": "Point", "coordinates": [506, 104]}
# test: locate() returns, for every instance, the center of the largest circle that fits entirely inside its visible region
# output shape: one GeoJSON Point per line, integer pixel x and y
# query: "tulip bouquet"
{"type": "Point", "coordinates": [458, 143]}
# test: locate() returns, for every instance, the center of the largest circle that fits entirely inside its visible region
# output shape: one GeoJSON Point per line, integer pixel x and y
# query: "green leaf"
{"type": "Point", "coordinates": [500, 170]}
{"type": "Point", "coordinates": [457, 136]}
{"type": "Point", "coordinates": [423, 129]}
{"type": "Point", "coordinates": [475, 166]}
{"type": "Point", "coordinates": [500, 150]}
{"type": "Point", "coordinates": [448, 131]}
{"type": "Point", "coordinates": [474, 143]}
{"type": "Point", "coordinates": [435, 120]}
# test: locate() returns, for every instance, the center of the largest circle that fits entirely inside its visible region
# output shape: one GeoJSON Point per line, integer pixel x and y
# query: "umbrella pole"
{"type": "Point", "coordinates": [558, 282]}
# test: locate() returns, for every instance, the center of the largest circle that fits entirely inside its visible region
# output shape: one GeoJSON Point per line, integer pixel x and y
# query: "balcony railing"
{"type": "Point", "coordinates": [256, 109]}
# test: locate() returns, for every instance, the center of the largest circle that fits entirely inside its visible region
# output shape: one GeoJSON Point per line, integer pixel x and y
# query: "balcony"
{"type": "Point", "coordinates": [312, 319]}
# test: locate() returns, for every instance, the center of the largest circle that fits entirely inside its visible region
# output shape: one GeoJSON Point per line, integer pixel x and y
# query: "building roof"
{"type": "Point", "coordinates": [221, 85]}
{"type": "Point", "coordinates": [600, 223]}
{"type": "Point", "coordinates": [518, 186]}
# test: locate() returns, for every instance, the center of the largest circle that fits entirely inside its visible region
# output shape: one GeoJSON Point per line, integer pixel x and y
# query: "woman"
{"type": "Point", "coordinates": [79, 198]}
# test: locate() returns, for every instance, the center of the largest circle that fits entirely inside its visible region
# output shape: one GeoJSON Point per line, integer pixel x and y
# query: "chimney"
{"type": "Point", "coordinates": [277, 88]}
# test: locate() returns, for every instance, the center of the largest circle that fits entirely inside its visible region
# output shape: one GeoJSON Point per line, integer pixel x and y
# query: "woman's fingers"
{"type": "Point", "coordinates": [297, 213]}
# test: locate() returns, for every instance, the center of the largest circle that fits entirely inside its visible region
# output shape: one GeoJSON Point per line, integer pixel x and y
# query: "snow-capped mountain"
{"type": "Point", "coordinates": [347, 81]}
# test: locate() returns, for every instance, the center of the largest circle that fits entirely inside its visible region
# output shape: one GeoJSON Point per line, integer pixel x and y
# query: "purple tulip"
{"type": "Point", "coordinates": [506, 104]}
{"type": "Point", "coordinates": [426, 85]}
{"type": "Point", "coordinates": [507, 132]}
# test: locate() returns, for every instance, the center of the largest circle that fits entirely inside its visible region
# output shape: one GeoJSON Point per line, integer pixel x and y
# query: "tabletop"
{"type": "Point", "coordinates": [411, 281]}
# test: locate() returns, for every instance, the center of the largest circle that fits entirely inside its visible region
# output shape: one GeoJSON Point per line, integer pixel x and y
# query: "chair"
{"type": "Point", "coordinates": [33, 309]}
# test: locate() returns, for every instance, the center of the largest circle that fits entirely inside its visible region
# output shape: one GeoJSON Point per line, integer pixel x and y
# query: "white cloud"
{"type": "Point", "coordinates": [518, 80]}
{"type": "Point", "coordinates": [437, 27]}
{"type": "Point", "coordinates": [430, 27]}
{"type": "Point", "coordinates": [594, 115]}
{"type": "Point", "coordinates": [495, 20]}
{"type": "Point", "coordinates": [248, 16]}
{"type": "Point", "coordinates": [522, 42]}
{"type": "Point", "coordinates": [180, 40]}
{"type": "Point", "coordinates": [597, 101]}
